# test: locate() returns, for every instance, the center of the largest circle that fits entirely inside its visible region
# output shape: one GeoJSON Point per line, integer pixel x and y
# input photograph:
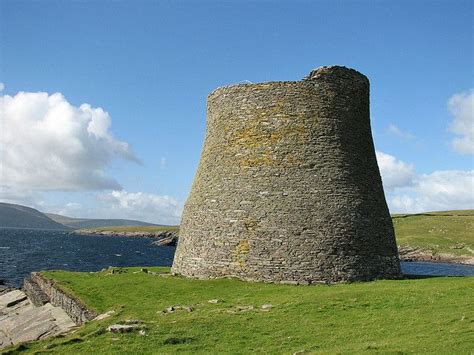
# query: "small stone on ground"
{"type": "Point", "coordinates": [122, 328]}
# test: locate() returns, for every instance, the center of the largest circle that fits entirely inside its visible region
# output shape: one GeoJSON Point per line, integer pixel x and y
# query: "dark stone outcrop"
{"type": "Point", "coordinates": [34, 292]}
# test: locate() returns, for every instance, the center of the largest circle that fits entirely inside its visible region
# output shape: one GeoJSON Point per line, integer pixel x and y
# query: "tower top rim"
{"type": "Point", "coordinates": [323, 73]}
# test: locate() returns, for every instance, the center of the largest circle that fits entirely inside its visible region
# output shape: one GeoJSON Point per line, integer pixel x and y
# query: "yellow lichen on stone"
{"type": "Point", "coordinates": [250, 223]}
{"type": "Point", "coordinates": [240, 253]}
{"type": "Point", "coordinates": [257, 142]}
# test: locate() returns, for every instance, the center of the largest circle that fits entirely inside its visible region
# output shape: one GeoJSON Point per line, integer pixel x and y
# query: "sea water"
{"type": "Point", "coordinates": [24, 250]}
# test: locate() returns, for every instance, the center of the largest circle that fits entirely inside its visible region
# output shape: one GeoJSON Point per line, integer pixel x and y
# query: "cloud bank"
{"type": "Point", "coordinates": [461, 106]}
{"type": "Point", "coordinates": [409, 192]}
{"type": "Point", "coordinates": [395, 173]}
{"type": "Point", "coordinates": [48, 144]}
{"type": "Point", "coordinates": [142, 206]}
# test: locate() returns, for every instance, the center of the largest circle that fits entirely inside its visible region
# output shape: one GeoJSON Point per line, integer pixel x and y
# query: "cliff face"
{"type": "Point", "coordinates": [288, 188]}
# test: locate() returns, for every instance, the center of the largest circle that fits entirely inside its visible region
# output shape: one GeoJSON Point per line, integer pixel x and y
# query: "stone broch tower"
{"type": "Point", "coordinates": [288, 188]}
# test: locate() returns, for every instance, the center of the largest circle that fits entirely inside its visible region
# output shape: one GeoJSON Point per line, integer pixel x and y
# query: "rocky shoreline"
{"type": "Point", "coordinates": [410, 254]}
{"type": "Point", "coordinates": [21, 320]}
{"type": "Point", "coordinates": [163, 238]}
{"type": "Point", "coordinates": [37, 311]}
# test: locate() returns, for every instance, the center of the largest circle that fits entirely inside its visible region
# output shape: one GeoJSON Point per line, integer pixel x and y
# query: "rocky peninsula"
{"type": "Point", "coordinates": [167, 237]}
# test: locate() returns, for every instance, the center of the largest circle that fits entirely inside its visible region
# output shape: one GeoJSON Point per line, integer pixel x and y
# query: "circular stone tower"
{"type": "Point", "coordinates": [288, 188]}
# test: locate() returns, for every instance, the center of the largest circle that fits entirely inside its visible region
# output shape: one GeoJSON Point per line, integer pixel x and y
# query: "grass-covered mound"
{"type": "Point", "coordinates": [439, 233]}
{"type": "Point", "coordinates": [413, 315]}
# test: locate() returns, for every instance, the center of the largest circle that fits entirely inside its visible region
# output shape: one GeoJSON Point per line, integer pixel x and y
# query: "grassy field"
{"type": "Point", "coordinates": [448, 232]}
{"type": "Point", "coordinates": [413, 315]}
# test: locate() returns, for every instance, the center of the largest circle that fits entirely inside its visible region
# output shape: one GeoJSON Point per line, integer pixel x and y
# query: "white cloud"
{"type": "Point", "coordinates": [409, 192]}
{"type": "Point", "coordinates": [446, 189]}
{"type": "Point", "coordinates": [461, 106]}
{"type": "Point", "coordinates": [20, 196]}
{"type": "Point", "coordinates": [142, 206]}
{"type": "Point", "coordinates": [147, 207]}
{"type": "Point", "coordinates": [48, 144]}
{"type": "Point", "coordinates": [2, 87]}
{"type": "Point", "coordinates": [395, 173]}
{"type": "Point", "coordinates": [438, 191]}
{"type": "Point", "coordinates": [70, 209]}
{"type": "Point", "coordinates": [396, 131]}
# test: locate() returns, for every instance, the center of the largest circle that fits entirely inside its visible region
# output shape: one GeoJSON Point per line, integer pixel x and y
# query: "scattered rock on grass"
{"type": "Point", "coordinates": [104, 315]}
{"type": "Point", "coordinates": [214, 301]}
{"type": "Point", "coordinates": [172, 309]}
{"type": "Point", "coordinates": [267, 307]}
{"type": "Point", "coordinates": [245, 308]}
{"type": "Point", "coordinates": [114, 270]}
{"type": "Point", "coordinates": [122, 328]}
{"type": "Point", "coordinates": [241, 309]}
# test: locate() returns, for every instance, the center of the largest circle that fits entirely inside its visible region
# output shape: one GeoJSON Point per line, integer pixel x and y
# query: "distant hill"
{"type": "Point", "coordinates": [17, 216]}
{"type": "Point", "coordinates": [80, 223]}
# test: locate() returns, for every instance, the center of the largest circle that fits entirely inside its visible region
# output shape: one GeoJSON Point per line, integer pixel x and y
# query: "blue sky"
{"type": "Point", "coordinates": [151, 64]}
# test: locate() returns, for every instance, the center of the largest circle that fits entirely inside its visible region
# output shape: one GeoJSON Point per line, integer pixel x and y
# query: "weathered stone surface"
{"type": "Point", "coordinates": [288, 188]}
{"type": "Point", "coordinates": [34, 292]}
{"type": "Point", "coordinates": [78, 312]}
{"type": "Point", "coordinates": [4, 289]}
{"type": "Point", "coordinates": [21, 321]}
{"type": "Point", "coordinates": [12, 298]}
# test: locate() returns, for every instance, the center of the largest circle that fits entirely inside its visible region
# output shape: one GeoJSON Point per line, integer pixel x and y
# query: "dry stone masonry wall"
{"type": "Point", "coordinates": [288, 188]}
{"type": "Point", "coordinates": [41, 290]}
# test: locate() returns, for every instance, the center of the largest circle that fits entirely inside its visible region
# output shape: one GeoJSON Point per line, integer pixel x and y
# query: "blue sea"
{"type": "Point", "coordinates": [24, 250]}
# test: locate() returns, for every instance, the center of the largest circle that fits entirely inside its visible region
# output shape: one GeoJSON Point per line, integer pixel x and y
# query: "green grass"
{"type": "Point", "coordinates": [448, 232]}
{"type": "Point", "coordinates": [119, 229]}
{"type": "Point", "coordinates": [413, 315]}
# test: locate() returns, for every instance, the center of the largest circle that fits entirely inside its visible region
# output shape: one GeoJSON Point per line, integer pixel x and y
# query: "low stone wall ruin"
{"type": "Point", "coordinates": [41, 290]}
